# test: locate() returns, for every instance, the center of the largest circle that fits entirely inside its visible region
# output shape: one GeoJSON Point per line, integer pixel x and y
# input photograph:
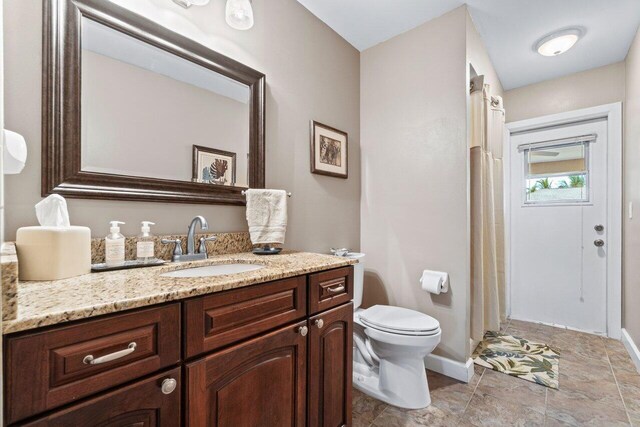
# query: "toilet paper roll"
{"type": "Point", "coordinates": [14, 153]}
{"type": "Point", "coordinates": [436, 282]}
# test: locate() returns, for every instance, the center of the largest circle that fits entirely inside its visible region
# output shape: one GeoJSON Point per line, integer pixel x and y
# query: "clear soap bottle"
{"type": "Point", "coordinates": [145, 246]}
{"type": "Point", "coordinates": [114, 245]}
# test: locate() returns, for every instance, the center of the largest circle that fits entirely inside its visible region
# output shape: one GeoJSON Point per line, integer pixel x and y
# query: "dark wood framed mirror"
{"type": "Point", "coordinates": [85, 124]}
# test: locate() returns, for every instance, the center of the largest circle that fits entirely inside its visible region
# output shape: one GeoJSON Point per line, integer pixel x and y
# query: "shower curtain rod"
{"type": "Point", "coordinates": [559, 142]}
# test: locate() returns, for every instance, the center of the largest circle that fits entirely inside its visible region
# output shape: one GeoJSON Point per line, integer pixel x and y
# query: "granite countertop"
{"type": "Point", "coordinates": [53, 302]}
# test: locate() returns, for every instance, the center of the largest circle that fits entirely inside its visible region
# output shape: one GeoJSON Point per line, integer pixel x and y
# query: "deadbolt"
{"type": "Point", "coordinates": [599, 243]}
{"type": "Point", "coordinates": [599, 227]}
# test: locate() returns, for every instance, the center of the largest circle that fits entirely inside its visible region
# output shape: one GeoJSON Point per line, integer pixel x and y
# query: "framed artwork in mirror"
{"type": "Point", "coordinates": [212, 166]}
{"type": "Point", "coordinates": [329, 151]}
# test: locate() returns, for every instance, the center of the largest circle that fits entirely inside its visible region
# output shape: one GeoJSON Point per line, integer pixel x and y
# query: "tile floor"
{"type": "Point", "coordinates": [599, 386]}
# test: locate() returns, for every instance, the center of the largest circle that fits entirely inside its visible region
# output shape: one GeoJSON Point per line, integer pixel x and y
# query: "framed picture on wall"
{"type": "Point", "coordinates": [329, 148]}
{"type": "Point", "coordinates": [212, 166]}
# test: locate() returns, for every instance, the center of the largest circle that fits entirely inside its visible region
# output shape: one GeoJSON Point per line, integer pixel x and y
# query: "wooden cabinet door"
{"type": "Point", "coordinates": [330, 359]}
{"type": "Point", "coordinates": [142, 404]}
{"type": "Point", "coordinates": [260, 382]}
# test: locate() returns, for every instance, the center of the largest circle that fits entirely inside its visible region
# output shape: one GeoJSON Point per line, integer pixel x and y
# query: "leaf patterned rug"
{"type": "Point", "coordinates": [519, 357]}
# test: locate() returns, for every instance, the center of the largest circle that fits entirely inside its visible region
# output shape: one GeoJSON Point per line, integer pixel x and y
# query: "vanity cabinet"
{"type": "Point", "coordinates": [270, 354]}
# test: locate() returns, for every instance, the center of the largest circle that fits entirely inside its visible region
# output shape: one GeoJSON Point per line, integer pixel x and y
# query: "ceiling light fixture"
{"type": "Point", "coordinates": [559, 42]}
{"type": "Point", "coordinates": [239, 14]}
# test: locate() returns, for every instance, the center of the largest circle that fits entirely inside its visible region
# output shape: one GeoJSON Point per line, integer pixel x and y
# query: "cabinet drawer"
{"type": "Point", "coordinates": [329, 289]}
{"type": "Point", "coordinates": [142, 404]}
{"type": "Point", "coordinates": [47, 369]}
{"type": "Point", "coordinates": [220, 319]}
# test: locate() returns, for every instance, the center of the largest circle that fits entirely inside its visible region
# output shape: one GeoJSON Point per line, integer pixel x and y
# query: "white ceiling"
{"type": "Point", "coordinates": [509, 29]}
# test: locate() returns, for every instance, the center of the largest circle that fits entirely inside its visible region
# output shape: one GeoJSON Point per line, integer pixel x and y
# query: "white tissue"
{"type": "Point", "coordinates": [436, 282]}
{"type": "Point", "coordinates": [52, 211]}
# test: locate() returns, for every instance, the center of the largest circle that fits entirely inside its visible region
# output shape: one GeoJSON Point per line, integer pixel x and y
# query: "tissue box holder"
{"type": "Point", "coordinates": [53, 253]}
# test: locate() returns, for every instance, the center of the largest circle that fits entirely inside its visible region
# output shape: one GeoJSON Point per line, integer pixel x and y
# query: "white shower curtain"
{"type": "Point", "coordinates": [487, 214]}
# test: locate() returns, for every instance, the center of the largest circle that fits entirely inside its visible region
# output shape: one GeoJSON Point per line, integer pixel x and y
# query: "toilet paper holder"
{"type": "Point", "coordinates": [435, 282]}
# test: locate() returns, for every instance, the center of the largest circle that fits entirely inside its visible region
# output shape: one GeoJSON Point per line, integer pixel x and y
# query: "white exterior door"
{"type": "Point", "coordinates": [558, 244]}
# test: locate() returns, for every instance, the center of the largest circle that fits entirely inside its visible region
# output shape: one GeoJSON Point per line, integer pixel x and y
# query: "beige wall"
{"type": "Point", "coordinates": [311, 72]}
{"type": "Point", "coordinates": [414, 179]}
{"type": "Point", "coordinates": [598, 86]}
{"type": "Point", "coordinates": [631, 230]}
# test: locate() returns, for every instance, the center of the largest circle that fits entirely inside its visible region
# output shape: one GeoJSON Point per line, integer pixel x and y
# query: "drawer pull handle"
{"type": "Point", "coordinates": [89, 360]}
{"type": "Point", "coordinates": [319, 323]}
{"type": "Point", "coordinates": [168, 386]}
{"type": "Point", "coordinates": [336, 289]}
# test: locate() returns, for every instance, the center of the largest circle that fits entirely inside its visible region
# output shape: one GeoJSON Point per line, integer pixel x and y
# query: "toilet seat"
{"type": "Point", "coordinates": [398, 320]}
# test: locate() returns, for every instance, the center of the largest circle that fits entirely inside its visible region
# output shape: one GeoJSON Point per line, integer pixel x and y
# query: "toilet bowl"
{"type": "Point", "coordinates": [389, 347]}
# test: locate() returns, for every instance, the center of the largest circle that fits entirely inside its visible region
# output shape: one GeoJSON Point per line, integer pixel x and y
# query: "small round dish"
{"type": "Point", "coordinates": [267, 250]}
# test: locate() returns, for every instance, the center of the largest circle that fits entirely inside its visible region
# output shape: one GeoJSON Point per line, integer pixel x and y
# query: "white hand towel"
{"type": "Point", "coordinates": [267, 215]}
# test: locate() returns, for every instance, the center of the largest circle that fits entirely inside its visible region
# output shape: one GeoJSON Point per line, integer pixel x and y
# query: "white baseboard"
{"type": "Point", "coordinates": [450, 368]}
{"type": "Point", "coordinates": [631, 348]}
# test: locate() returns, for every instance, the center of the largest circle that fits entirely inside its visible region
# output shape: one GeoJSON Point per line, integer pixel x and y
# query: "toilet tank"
{"type": "Point", "coordinates": [358, 278]}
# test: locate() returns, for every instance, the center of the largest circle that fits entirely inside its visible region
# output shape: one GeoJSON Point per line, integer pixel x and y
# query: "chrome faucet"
{"type": "Point", "coordinates": [191, 244]}
{"type": "Point", "coordinates": [191, 254]}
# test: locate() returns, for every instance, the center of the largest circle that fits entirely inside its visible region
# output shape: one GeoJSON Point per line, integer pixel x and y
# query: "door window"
{"type": "Point", "coordinates": [556, 174]}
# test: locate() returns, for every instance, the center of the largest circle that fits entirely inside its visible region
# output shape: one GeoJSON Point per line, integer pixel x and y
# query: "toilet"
{"type": "Point", "coordinates": [389, 347]}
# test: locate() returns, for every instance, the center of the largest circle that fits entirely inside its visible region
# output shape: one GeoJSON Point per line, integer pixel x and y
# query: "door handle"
{"type": "Point", "coordinates": [599, 243]}
{"type": "Point", "coordinates": [90, 360]}
{"type": "Point", "coordinates": [337, 289]}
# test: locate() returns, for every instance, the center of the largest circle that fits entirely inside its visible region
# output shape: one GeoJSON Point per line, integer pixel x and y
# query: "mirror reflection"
{"type": "Point", "coordinates": [149, 113]}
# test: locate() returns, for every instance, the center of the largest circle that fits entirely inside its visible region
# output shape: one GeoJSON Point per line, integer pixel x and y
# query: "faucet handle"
{"type": "Point", "coordinates": [203, 247]}
{"type": "Point", "coordinates": [177, 250]}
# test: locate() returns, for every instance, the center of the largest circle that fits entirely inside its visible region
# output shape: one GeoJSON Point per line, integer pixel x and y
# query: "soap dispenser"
{"type": "Point", "coordinates": [114, 245]}
{"type": "Point", "coordinates": [145, 247]}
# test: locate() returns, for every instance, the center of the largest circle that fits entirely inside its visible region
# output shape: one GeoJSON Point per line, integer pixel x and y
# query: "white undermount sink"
{"type": "Point", "coordinates": [213, 270]}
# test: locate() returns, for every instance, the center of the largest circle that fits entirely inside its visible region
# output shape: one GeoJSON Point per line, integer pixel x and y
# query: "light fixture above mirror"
{"type": "Point", "coordinates": [238, 13]}
{"type": "Point", "coordinates": [188, 3]}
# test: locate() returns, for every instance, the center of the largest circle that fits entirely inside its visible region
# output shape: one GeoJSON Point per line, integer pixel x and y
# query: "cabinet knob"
{"type": "Point", "coordinates": [303, 330]}
{"type": "Point", "coordinates": [319, 323]}
{"type": "Point", "coordinates": [168, 386]}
